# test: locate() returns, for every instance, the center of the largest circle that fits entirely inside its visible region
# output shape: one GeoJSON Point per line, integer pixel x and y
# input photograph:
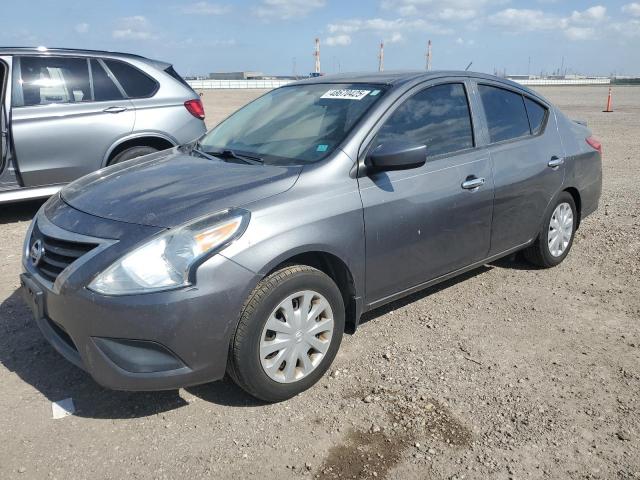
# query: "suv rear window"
{"type": "Point", "coordinates": [171, 71]}
{"type": "Point", "coordinates": [135, 83]}
{"type": "Point", "coordinates": [46, 80]}
{"type": "Point", "coordinates": [505, 112]}
{"type": "Point", "coordinates": [103, 87]}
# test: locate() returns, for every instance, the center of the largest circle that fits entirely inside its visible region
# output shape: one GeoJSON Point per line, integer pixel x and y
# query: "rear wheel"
{"type": "Point", "coordinates": [288, 335]}
{"type": "Point", "coordinates": [556, 238]}
{"type": "Point", "coordinates": [132, 152]}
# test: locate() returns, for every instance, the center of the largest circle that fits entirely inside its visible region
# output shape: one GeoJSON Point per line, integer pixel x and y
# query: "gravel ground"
{"type": "Point", "coordinates": [507, 372]}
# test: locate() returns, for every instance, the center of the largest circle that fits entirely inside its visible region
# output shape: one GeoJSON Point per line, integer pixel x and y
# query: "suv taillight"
{"type": "Point", "coordinates": [595, 144]}
{"type": "Point", "coordinates": [195, 108]}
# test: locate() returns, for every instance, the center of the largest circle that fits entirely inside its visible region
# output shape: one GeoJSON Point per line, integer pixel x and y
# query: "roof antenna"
{"type": "Point", "coordinates": [468, 66]}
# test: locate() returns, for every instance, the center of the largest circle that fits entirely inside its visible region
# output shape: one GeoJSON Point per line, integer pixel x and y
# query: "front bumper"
{"type": "Point", "coordinates": [155, 341]}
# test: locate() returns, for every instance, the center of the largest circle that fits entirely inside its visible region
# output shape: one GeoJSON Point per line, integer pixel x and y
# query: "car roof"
{"type": "Point", "coordinates": [75, 52]}
{"type": "Point", "coordinates": [398, 78]}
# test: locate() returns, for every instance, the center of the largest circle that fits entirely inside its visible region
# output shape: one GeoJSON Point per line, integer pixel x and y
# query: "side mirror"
{"type": "Point", "coordinates": [396, 156]}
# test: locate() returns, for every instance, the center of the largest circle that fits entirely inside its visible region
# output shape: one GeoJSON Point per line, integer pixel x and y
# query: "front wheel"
{"type": "Point", "coordinates": [288, 335]}
{"type": "Point", "coordinates": [556, 237]}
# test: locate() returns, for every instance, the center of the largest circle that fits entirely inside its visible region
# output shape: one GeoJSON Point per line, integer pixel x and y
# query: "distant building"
{"type": "Point", "coordinates": [236, 76]}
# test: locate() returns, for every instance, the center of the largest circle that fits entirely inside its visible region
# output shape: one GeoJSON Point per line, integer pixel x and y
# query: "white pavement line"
{"type": "Point", "coordinates": [63, 408]}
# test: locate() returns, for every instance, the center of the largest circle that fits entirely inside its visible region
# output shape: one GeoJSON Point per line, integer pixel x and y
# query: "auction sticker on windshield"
{"type": "Point", "coordinates": [346, 94]}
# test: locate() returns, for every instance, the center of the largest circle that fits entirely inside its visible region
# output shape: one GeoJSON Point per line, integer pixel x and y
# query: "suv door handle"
{"type": "Point", "coordinates": [472, 183]}
{"type": "Point", "coordinates": [114, 109]}
{"type": "Point", "coordinates": [555, 162]}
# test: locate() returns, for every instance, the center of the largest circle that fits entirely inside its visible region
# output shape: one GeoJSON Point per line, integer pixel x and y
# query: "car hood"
{"type": "Point", "coordinates": [169, 189]}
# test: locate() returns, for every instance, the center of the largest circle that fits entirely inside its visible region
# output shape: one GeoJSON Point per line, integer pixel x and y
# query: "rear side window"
{"type": "Point", "coordinates": [135, 83]}
{"type": "Point", "coordinates": [537, 115]}
{"type": "Point", "coordinates": [437, 117]}
{"type": "Point", "coordinates": [104, 88]}
{"type": "Point", "coordinates": [505, 112]}
{"type": "Point", "coordinates": [47, 80]}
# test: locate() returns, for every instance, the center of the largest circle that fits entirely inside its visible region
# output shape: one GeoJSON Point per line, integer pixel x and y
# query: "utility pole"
{"type": "Point", "coordinates": [429, 56]}
{"type": "Point", "coordinates": [381, 58]}
{"type": "Point", "coordinates": [316, 54]}
{"type": "Point", "coordinates": [294, 72]}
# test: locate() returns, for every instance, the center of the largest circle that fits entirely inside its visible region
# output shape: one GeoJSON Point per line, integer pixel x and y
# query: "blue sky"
{"type": "Point", "coordinates": [267, 35]}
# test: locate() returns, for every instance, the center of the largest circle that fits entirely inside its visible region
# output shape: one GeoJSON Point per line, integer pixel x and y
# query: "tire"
{"type": "Point", "coordinates": [545, 254]}
{"type": "Point", "coordinates": [132, 152]}
{"type": "Point", "coordinates": [249, 368]}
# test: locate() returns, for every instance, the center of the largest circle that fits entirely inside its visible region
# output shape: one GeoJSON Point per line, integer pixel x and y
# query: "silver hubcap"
{"type": "Point", "coordinates": [296, 336]}
{"type": "Point", "coordinates": [560, 229]}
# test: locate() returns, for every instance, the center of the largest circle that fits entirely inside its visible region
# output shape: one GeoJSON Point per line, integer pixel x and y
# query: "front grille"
{"type": "Point", "coordinates": [57, 254]}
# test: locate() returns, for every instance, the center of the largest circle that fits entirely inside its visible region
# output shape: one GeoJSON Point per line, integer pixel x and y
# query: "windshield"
{"type": "Point", "coordinates": [294, 125]}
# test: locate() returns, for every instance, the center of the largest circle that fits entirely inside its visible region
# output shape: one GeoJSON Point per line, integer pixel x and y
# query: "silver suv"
{"type": "Point", "coordinates": [65, 113]}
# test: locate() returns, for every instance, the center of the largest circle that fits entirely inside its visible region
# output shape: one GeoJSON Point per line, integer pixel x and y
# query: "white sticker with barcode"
{"type": "Point", "coordinates": [346, 94]}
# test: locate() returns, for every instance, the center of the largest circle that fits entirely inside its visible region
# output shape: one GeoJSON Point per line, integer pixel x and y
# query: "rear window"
{"type": "Point", "coordinates": [506, 114]}
{"type": "Point", "coordinates": [537, 115]}
{"type": "Point", "coordinates": [171, 71]}
{"type": "Point", "coordinates": [135, 83]}
{"type": "Point", "coordinates": [104, 88]}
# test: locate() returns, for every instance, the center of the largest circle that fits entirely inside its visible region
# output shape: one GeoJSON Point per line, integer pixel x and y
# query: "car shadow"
{"type": "Point", "coordinates": [414, 297]}
{"type": "Point", "coordinates": [514, 261]}
{"type": "Point", "coordinates": [20, 212]}
{"type": "Point", "coordinates": [25, 352]}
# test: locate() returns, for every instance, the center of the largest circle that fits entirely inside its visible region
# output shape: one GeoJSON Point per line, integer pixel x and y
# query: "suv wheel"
{"type": "Point", "coordinates": [288, 335]}
{"type": "Point", "coordinates": [556, 237]}
{"type": "Point", "coordinates": [132, 152]}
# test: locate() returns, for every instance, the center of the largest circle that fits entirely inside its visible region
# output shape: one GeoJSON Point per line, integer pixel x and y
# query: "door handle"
{"type": "Point", "coordinates": [114, 109]}
{"type": "Point", "coordinates": [555, 162]}
{"type": "Point", "coordinates": [472, 183]}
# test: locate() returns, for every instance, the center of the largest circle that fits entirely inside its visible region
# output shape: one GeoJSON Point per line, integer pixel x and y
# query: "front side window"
{"type": "Point", "coordinates": [505, 112]}
{"type": "Point", "coordinates": [135, 83]}
{"type": "Point", "coordinates": [437, 117]}
{"type": "Point", "coordinates": [47, 80]}
{"type": "Point", "coordinates": [294, 124]}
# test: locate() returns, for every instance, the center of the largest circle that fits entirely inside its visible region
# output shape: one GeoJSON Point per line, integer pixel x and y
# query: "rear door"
{"type": "Point", "coordinates": [67, 113]}
{"type": "Point", "coordinates": [528, 162]}
{"type": "Point", "coordinates": [422, 223]}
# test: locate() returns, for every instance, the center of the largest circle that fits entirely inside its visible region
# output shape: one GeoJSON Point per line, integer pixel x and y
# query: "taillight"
{"type": "Point", "coordinates": [595, 144]}
{"type": "Point", "coordinates": [195, 108]}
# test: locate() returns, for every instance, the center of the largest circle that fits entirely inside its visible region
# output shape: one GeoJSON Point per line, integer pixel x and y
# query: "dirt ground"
{"type": "Point", "coordinates": [508, 372]}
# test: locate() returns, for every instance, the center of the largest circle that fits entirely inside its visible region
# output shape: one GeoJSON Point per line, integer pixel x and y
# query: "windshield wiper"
{"type": "Point", "coordinates": [227, 154]}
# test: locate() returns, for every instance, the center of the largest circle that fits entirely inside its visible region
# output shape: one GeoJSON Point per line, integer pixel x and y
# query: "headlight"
{"type": "Point", "coordinates": [166, 261]}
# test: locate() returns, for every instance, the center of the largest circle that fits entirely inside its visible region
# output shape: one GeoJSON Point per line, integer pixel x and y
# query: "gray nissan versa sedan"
{"type": "Point", "coordinates": [253, 249]}
{"type": "Point", "coordinates": [66, 113]}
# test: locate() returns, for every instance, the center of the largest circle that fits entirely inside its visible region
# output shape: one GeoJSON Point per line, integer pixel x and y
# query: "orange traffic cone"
{"type": "Point", "coordinates": [609, 108]}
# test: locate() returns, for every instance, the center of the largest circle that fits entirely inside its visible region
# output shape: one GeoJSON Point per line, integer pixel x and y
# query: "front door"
{"type": "Point", "coordinates": [62, 123]}
{"type": "Point", "coordinates": [426, 222]}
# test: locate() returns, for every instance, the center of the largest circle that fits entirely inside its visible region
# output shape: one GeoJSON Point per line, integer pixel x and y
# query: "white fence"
{"type": "Point", "coordinates": [268, 84]}
{"type": "Point", "coordinates": [209, 84]}
{"type": "Point", "coordinates": [567, 81]}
